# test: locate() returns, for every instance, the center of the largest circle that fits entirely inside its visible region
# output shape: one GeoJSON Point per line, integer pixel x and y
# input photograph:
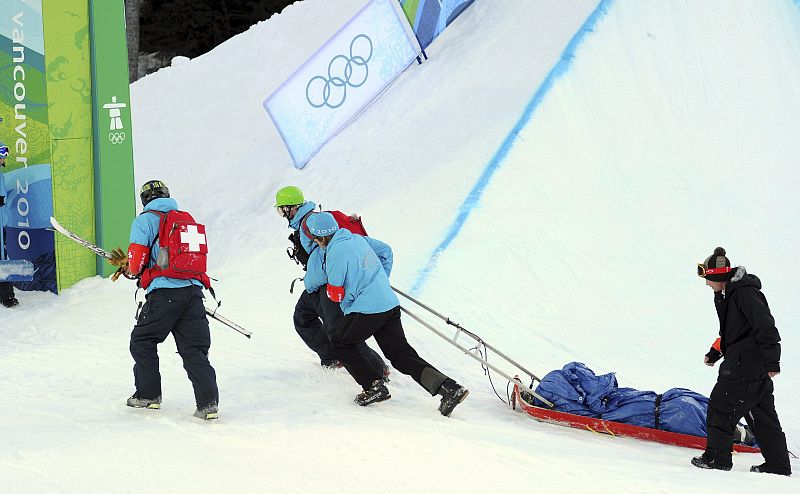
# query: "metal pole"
{"type": "Point", "coordinates": [453, 323]}
{"type": "Point", "coordinates": [228, 322]}
{"type": "Point", "coordinates": [476, 357]}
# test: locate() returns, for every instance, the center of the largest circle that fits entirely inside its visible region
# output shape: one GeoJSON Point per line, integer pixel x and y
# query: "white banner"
{"type": "Point", "coordinates": [341, 78]}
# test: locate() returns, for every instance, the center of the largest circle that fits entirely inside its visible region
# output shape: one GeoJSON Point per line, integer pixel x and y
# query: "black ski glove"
{"type": "Point", "coordinates": [713, 355]}
{"type": "Point", "coordinates": [2, 201]}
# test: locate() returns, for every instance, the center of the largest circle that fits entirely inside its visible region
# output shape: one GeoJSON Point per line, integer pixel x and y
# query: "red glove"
{"type": "Point", "coordinates": [335, 293]}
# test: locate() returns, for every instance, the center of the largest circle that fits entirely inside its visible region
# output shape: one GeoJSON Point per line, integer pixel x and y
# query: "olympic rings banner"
{"type": "Point", "coordinates": [333, 86]}
{"type": "Point", "coordinates": [430, 17]}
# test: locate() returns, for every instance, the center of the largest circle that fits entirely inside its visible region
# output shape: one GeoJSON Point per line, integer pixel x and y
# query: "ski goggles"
{"type": "Point", "coordinates": [3, 151]}
{"type": "Point", "coordinates": [283, 211]}
{"type": "Point", "coordinates": [703, 271]}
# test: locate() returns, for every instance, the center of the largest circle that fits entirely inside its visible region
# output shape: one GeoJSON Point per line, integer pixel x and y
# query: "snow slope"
{"type": "Point", "coordinates": [565, 164]}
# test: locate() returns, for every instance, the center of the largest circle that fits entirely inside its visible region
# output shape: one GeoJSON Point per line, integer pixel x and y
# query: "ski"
{"type": "Point", "coordinates": [92, 247]}
{"type": "Point", "coordinates": [106, 254]}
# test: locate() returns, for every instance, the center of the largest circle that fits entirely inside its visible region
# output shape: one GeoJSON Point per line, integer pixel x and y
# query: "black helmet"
{"type": "Point", "coordinates": [153, 190]}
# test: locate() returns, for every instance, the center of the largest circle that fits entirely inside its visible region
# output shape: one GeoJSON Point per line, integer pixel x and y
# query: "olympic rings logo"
{"type": "Point", "coordinates": [342, 72]}
{"type": "Point", "coordinates": [116, 137]}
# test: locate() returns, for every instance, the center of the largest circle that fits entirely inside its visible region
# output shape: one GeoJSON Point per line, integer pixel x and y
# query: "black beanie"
{"type": "Point", "coordinates": [718, 260]}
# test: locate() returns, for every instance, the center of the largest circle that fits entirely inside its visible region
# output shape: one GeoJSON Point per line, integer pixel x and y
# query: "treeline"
{"type": "Point", "coordinates": [193, 27]}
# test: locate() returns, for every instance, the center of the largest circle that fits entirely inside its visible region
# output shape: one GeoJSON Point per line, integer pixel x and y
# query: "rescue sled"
{"type": "Point", "coordinates": [480, 350]}
{"type": "Point", "coordinates": [615, 428]}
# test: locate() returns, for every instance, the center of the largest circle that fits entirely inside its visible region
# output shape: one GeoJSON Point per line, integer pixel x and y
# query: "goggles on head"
{"type": "Point", "coordinates": [3, 151]}
{"type": "Point", "coordinates": [703, 271]}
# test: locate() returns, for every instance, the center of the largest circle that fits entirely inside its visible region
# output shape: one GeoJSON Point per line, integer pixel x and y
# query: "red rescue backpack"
{"type": "Point", "coordinates": [344, 221]}
{"type": "Point", "coordinates": [182, 249]}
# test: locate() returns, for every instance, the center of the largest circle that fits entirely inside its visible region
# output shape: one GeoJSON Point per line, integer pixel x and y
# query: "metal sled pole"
{"type": "Point", "coordinates": [459, 328]}
{"type": "Point", "coordinates": [476, 355]}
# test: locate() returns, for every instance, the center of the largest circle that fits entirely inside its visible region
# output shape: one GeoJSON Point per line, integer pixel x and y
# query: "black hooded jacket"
{"type": "Point", "coordinates": [749, 339]}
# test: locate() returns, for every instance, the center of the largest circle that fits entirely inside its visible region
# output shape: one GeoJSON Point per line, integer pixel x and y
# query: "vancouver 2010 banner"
{"type": "Point", "coordinates": [65, 117]}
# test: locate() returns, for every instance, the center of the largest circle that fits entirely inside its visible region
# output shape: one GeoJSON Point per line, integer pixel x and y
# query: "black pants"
{"type": "Point", "coordinates": [388, 332]}
{"type": "Point", "coordinates": [733, 399]}
{"type": "Point", "coordinates": [6, 290]}
{"type": "Point", "coordinates": [179, 311]}
{"type": "Point", "coordinates": [316, 319]}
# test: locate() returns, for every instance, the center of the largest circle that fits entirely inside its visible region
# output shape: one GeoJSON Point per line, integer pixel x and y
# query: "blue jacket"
{"type": "Point", "coordinates": [144, 231]}
{"type": "Point", "coordinates": [294, 224]}
{"type": "Point", "coordinates": [316, 278]}
{"type": "Point", "coordinates": [315, 275]}
{"type": "Point", "coordinates": [351, 262]}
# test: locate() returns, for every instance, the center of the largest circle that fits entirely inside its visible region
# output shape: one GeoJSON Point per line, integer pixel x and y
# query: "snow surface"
{"type": "Point", "coordinates": [566, 194]}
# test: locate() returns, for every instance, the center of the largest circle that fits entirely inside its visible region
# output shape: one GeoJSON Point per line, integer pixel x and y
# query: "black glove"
{"type": "Point", "coordinates": [713, 355]}
{"type": "Point", "coordinates": [2, 201]}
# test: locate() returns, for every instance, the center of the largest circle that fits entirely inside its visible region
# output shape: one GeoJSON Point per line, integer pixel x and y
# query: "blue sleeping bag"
{"type": "Point", "coordinates": [576, 389]}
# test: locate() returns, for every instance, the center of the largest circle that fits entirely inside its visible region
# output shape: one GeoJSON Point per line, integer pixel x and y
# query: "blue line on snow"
{"type": "Point", "coordinates": [474, 195]}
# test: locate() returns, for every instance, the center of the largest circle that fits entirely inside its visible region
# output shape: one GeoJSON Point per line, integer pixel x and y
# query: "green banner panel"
{"type": "Point", "coordinates": [113, 148]}
{"type": "Point", "coordinates": [69, 103]}
{"type": "Point", "coordinates": [73, 203]}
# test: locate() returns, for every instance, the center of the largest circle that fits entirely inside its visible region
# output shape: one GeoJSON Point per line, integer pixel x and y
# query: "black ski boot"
{"type": "Point", "coordinates": [376, 392]}
{"type": "Point", "coordinates": [705, 461]}
{"type": "Point", "coordinates": [765, 468]}
{"type": "Point", "coordinates": [10, 302]}
{"type": "Point", "coordinates": [452, 394]}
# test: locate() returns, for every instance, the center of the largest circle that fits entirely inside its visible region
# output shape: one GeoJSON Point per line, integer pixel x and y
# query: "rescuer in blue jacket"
{"type": "Point", "coordinates": [315, 316]}
{"type": "Point", "coordinates": [173, 306]}
{"type": "Point", "coordinates": [358, 280]}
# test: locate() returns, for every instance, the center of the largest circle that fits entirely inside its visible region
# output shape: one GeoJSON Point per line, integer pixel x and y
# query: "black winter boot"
{"type": "Point", "coordinates": [705, 461]}
{"type": "Point", "coordinates": [208, 412]}
{"type": "Point", "coordinates": [10, 302]}
{"type": "Point", "coordinates": [765, 468]}
{"type": "Point", "coordinates": [136, 401]}
{"type": "Point", "coordinates": [452, 394]}
{"type": "Point", "coordinates": [375, 393]}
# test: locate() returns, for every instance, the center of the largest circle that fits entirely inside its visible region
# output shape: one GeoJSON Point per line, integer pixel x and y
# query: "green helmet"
{"type": "Point", "coordinates": [289, 196]}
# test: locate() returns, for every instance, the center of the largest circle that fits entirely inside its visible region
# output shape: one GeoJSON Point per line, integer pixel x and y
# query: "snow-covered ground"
{"type": "Point", "coordinates": [547, 189]}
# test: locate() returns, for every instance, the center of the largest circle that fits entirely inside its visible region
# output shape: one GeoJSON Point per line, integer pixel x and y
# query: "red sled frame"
{"type": "Point", "coordinates": [615, 428]}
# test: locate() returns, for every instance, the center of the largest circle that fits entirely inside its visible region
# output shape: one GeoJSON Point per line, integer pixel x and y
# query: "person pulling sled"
{"type": "Point", "coordinates": [315, 316]}
{"type": "Point", "coordinates": [358, 281]}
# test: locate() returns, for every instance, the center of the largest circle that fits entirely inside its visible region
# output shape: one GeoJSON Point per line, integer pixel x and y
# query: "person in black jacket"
{"type": "Point", "coordinates": [750, 345]}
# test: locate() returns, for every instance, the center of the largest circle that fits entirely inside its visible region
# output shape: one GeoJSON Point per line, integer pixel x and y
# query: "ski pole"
{"type": "Point", "coordinates": [460, 328]}
{"type": "Point", "coordinates": [228, 322]}
{"type": "Point", "coordinates": [479, 358]}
